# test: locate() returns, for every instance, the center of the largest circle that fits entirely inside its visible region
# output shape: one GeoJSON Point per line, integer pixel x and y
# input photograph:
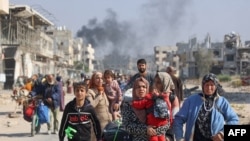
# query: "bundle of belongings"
{"type": "Point", "coordinates": [114, 131]}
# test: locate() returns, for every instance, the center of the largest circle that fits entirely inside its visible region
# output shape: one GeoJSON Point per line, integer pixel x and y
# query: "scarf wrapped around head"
{"type": "Point", "coordinates": [141, 114]}
{"type": "Point", "coordinates": [213, 78]}
{"type": "Point", "coordinates": [166, 81]}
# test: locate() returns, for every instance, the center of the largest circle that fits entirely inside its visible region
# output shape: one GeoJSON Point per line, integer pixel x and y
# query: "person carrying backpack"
{"type": "Point", "coordinates": [161, 83]}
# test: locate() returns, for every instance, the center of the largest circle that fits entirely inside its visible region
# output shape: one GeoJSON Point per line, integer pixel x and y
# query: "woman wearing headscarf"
{"type": "Point", "coordinates": [134, 120]}
{"type": "Point", "coordinates": [204, 114]}
{"type": "Point", "coordinates": [157, 104]}
{"type": "Point", "coordinates": [163, 84]}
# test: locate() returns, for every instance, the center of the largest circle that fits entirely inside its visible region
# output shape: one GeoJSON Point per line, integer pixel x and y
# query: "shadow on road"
{"type": "Point", "coordinates": [238, 97]}
{"type": "Point", "coordinates": [14, 135]}
{"type": "Point", "coordinates": [4, 113]}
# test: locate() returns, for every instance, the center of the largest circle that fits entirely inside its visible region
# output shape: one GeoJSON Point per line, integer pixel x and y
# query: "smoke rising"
{"type": "Point", "coordinates": [163, 19]}
{"type": "Point", "coordinates": [158, 24]}
{"type": "Point", "coordinates": [108, 35]}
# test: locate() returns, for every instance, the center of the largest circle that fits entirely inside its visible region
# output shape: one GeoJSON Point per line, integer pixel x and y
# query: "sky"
{"type": "Point", "coordinates": [139, 25]}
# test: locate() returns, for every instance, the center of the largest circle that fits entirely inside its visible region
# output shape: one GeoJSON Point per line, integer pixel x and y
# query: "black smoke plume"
{"type": "Point", "coordinates": [108, 35]}
{"type": "Point", "coordinates": [158, 24]}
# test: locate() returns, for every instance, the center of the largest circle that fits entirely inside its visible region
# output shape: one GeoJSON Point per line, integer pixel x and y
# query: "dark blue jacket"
{"type": "Point", "coordinates": [52, 91]}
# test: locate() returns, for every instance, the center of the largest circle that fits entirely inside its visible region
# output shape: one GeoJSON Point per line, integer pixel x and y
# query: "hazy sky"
{"type": "Point", "coordinates": [151, 22]}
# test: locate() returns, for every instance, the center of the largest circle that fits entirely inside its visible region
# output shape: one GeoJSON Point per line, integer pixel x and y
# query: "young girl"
{"type": "Point", "coordinates": [113, 92]}
{"type": "Point", "coordinates": [77, 117]}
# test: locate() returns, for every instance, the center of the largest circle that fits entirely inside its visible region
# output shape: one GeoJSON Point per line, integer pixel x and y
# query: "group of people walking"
{"type": "Point", "coordinates": [203, 114]}
{"type": "Point", "coordinates": [155, 111]}
{"type": "Point", "coordinates": [45, 91]}
{"type": "Point", "coordinates": [104, 98]}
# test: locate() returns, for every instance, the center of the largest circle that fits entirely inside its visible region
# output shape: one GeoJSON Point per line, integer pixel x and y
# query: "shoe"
{"type": "Point", "coordinates": [49, 132]}
{"type": "Point", "coordinates": [37, 130]}
{"type": "Point", "coordinates": [55, 132]}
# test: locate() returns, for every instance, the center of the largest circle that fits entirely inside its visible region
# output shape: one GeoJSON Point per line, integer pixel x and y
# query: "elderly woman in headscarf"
{"type": "Point", "coordinates": [134, 120]}
{"type": "Point", "coordinates": [205, 114]}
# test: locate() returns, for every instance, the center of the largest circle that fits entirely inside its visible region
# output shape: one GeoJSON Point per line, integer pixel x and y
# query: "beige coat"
{"type": "Point", "coordinates": [101, 104]}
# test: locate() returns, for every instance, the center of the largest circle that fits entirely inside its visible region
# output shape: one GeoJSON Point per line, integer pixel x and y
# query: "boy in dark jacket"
{"type": "Point", "coordinates": [77, 117]}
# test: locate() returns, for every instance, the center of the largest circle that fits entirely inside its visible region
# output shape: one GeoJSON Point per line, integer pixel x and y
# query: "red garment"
{"type": "Point", "coordinates": [148, 102]}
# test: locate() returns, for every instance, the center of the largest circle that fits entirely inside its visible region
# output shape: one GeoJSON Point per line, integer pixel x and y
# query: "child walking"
{"type": "Point", "coordinates": [77, 117]}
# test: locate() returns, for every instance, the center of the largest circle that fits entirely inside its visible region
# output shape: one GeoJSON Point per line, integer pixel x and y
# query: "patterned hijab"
{"type": "Point", "coordinates": [141, 114]}
{"type": "Point", "coordinates": [203, 121]}
{"type": "Point", "coordinates": [213, 78]}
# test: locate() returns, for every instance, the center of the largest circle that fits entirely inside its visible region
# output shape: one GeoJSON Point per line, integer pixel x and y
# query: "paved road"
{"type": "Point", "coordinates": [19, 129]}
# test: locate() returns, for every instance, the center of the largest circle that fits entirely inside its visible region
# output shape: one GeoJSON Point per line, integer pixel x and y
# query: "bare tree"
{"type": "Point", "coordinates": [204, 61]}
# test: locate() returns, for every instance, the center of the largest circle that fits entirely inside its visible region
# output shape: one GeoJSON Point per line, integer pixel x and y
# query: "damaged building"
{"type": "Point", "coordinates": [229, 57]}
{"type": "Point", "coordinates": [31, 44]}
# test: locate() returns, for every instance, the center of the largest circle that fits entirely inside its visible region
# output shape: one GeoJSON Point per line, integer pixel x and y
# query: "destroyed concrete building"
{"type": "Point", "coordinates": [30, 44]}
{"type": "Point", "coordinates": [229, 56]}
{"type": "Point", "coordinates": [166, 56]}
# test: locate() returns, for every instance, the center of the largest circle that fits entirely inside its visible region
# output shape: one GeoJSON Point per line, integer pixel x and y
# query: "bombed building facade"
{"type": "Point", "coordinates": [31, 44]}
{"type": "Point", "coordinates": [229, 57]}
